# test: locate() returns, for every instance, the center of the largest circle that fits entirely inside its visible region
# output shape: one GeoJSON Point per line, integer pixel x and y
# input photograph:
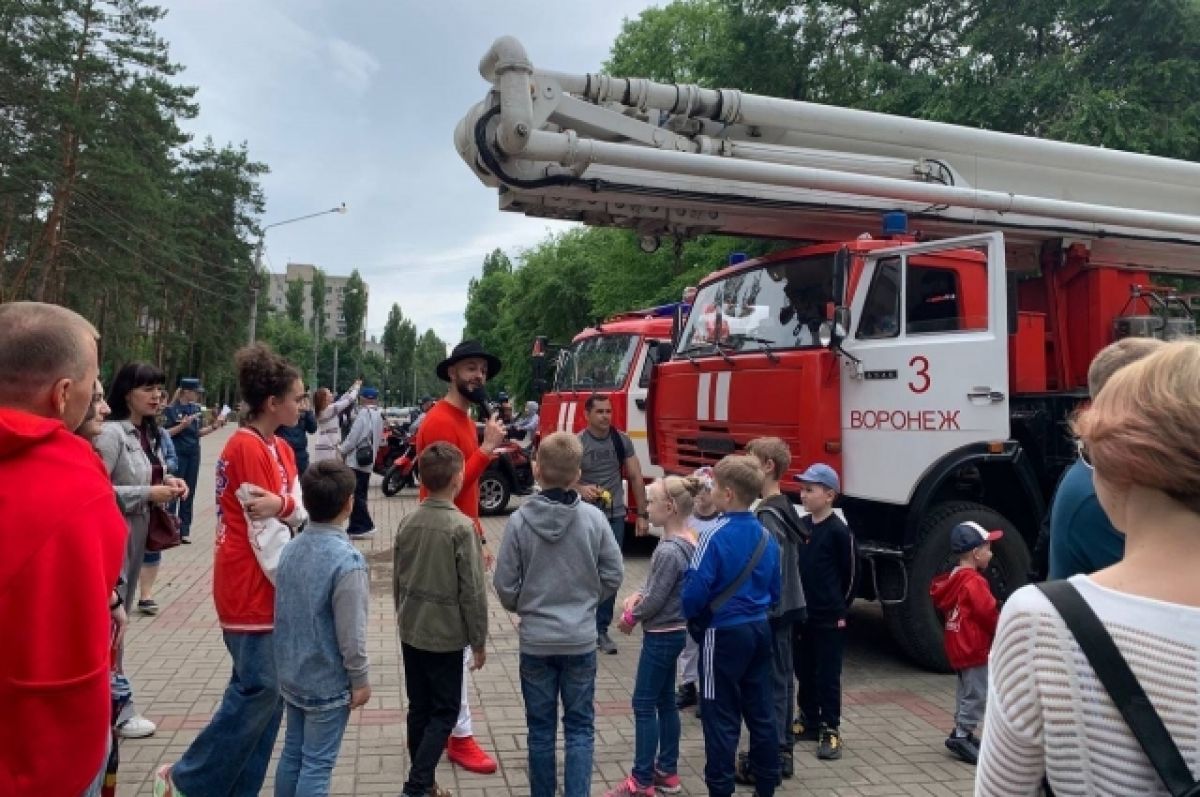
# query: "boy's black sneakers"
{"type": "Point", "coordinates": [802, 731]}
{"type": "Point", "coordinates": [742, 773]}
{"type": "Point", "coordinates": [829, 744]}
{"type": "Point", "coordinates": [686, 696]}
{"type": "Point", "coordinates": [965, 746]}
{"type": "Point", "coordinates": [787, 764]}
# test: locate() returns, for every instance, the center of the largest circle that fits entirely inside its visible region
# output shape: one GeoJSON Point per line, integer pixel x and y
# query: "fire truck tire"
{"type": "Point", "coordinates": [915, 624]}
{"type": "Point", "coordinates": [494, 493]}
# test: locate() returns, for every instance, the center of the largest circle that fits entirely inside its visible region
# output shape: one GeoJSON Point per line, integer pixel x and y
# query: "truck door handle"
{"type": "Point", "coordinates": [641, 404]}
{"type": "Point", "coordinates": [994, 396]}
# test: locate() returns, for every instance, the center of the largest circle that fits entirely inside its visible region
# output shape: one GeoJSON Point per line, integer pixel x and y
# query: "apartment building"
{"type": "Point", "coordinates": [335, 292]}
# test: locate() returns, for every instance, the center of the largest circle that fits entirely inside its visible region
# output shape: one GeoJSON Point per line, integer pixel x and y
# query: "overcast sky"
{"type": "Point", "coordinates": [356, 102]}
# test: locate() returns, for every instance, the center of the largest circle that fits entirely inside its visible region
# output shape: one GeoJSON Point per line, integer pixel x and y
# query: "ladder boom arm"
{"type": "Point", "coordinates": [667, 159]}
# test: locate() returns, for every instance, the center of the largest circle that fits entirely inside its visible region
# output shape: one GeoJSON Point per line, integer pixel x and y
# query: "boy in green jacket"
{"type": "Point", "coordinates": [441, 608]}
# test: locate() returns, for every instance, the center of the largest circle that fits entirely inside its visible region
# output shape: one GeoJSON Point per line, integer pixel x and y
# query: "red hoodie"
{"type": "Point", "coordinates": [62, 539]}
{"type": "Point", "coordinates": [965, 599]}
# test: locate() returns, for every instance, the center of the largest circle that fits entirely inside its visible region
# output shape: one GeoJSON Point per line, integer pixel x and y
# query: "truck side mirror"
{"type": "Point", "coordinates": [841, 267]}
{"type": "Point", "coordinates": [676, 327]}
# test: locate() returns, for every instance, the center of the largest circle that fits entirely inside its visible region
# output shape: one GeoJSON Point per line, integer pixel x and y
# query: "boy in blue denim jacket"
{"type": "Point", "coordinates": [321, 594]}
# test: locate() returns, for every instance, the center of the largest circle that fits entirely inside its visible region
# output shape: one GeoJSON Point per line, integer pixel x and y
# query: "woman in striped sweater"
{"type": "Point", "coordinates": [1048, 716]}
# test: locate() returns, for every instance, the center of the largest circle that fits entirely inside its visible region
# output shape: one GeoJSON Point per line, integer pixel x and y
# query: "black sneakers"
{"type": "Point", "coordinates": [802, 731]}
{"type": "Point", "coordinates": [829, 744]}
{"type": "Point", "coordinates": [965, 746]}
{"type": "Point", "coordinates": [743, 772]}
{"type": "Point", "coordinates": [686, 696]}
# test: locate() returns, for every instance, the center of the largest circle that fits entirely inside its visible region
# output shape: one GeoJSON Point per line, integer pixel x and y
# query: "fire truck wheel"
{"type": "Point", "coordinates": [915, 624]}
{"type": "Point", "coordinates": [494, 493]}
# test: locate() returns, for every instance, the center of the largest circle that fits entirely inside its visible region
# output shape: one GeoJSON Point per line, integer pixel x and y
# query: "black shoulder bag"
{"type": "Point", "coordinates": [1123, 687]}
{"type": "Point", "coordinates": [696, 626]}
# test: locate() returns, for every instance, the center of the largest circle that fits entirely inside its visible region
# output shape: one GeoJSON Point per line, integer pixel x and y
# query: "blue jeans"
{"type": "Point", "coordinates": [544, 680]}
{"type": "Point", "coordinates": [189, 471]}
{"type": "Point", "coordinates": [655, 717]}
{"type": "Point", "coordinates": [229, 758]}
{"type": "Point", "coordinates": [604, 612]}
{"type": "Point", "coordinates": [310, 749]}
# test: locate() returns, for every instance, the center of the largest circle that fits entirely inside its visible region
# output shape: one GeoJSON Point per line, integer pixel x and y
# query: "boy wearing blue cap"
{"type": "Point", "coordinates": [828, 563]}
{"type": "Point", "coordinates": [965, 599]}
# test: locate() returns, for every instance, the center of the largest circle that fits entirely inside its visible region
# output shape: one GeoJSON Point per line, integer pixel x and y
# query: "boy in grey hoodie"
{"type": "Point", "coordinates": [557, 562]}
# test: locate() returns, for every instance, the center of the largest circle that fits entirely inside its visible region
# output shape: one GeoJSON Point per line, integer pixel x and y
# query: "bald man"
{"type": "Point", "coordinates": [62, 539]}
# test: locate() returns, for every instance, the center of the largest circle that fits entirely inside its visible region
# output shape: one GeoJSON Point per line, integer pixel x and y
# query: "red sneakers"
{"type": "Point", "coordinates": [469, 755]}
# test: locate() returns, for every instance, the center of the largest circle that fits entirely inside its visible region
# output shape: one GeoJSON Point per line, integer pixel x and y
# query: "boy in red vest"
{"type": "Point", "coordinates": [965, 599]}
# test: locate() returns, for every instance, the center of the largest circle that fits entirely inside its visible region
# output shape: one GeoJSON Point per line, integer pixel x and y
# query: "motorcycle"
{"type": "Point", "coordinates": [403, 470]}
{"type": "Point", "coordinates": [395, 440]}
{"type": "Point", "coordinates": [510, 473]}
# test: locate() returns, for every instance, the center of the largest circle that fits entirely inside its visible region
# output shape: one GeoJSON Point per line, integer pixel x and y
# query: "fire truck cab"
{"type": "Point", "coordinates": [936, 368]}
{"type": "Point", "coordinates": [613, 358]}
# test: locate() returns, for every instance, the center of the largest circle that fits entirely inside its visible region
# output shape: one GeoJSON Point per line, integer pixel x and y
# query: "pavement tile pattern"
{"type": "Point", "coordinates": [895, 717]}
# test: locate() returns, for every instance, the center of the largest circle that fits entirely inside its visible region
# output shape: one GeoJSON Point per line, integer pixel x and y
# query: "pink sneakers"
{"type": "Point", "coordinates": [630, 788]}
{"type": "Point", "coordinates": [667, 784]}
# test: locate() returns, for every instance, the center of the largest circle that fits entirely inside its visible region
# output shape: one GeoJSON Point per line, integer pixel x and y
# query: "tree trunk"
{"type": "Point", "coordinates": [51, 237]}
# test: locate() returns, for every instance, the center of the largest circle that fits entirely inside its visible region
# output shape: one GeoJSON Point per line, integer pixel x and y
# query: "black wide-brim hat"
{"type": "Point", "coordinates": [465, 351]}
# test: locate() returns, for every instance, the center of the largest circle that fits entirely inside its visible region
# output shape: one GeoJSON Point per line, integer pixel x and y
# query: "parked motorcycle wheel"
{"type": "Point", "coordinates": [494, 493]}
{"type": "Point", "coordinates": [393, 481]}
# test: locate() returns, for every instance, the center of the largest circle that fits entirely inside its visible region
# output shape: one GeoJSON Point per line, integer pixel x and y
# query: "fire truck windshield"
{"type": "Point", "coordinates": [778, 306]}
{"type": "Point", "coordinates": [600, 362]}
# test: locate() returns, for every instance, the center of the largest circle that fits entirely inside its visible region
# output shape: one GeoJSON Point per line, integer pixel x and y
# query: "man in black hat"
{"type": "Point", "coordinates": [467, 370]}
{"type": "Point", "coordinates": [182, 419]}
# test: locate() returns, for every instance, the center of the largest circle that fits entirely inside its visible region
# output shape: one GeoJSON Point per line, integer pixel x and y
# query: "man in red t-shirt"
{"type": "Point", "coordinates": [467, 370]}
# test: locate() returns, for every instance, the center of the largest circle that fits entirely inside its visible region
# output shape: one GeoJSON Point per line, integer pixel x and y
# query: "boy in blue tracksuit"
{"type": "Point", "coordinates": [735, 652]}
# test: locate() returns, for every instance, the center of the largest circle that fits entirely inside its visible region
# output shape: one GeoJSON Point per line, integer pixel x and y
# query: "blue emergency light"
{"type": "Point", "coordinates": [895, 223]}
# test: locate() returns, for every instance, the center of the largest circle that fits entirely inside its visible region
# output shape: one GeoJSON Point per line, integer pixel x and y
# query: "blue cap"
{"type": "Point", "coordinates": [369, 393]}
{"type": "Point", "coordinates": [822, 474]}
{"type": "Point", "coordinates": [969, 535]}
{"type": "Point", "coordinates": [190, 383]}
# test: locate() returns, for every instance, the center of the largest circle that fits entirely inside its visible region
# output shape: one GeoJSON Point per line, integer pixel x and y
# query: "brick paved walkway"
{"type": "Point", "coordinates": [895, 717]}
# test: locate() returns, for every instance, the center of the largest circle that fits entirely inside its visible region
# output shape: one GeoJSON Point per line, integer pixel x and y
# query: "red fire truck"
{"type": "Point", "coordinates": [935, 369]}
{"type": "Point", "coordinates": [613, 358]}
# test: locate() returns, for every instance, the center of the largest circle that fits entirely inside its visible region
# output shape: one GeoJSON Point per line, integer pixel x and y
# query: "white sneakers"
{"type": "Point", "coordinates": [136, 727]}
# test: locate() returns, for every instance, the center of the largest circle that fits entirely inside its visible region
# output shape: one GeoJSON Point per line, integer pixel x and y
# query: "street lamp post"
{"type": "Point", "coordinates": [256, 282]}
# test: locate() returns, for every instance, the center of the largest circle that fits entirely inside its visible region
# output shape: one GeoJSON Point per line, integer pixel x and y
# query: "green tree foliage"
{"type": "Point", "coordinates": [484, 296]}
{"type": "Point", "coordinates": [399, 344]}
{"type": "Point", "coordinates": [288, 338]}
{"type": "Point", "coordinates": [104, 205]}
{"type": "Point", "coordinates": [294, 298]}
{"type": "Point", "coordinates": [429, 351]}
{"type": "Point", "coordinates": [354, 310]}
{"type": "Point", "coordinates": [316, 297]}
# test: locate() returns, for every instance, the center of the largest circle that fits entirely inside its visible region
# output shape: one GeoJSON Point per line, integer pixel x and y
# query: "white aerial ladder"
{"type": "Point", "coordinates": [675, 161]}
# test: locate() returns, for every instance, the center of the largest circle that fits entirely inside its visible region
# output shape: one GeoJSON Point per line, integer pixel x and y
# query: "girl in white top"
{"type": "Point", "coordinates": [329, 433]}
{"type": "Point", "coordinates": [1048, 715]}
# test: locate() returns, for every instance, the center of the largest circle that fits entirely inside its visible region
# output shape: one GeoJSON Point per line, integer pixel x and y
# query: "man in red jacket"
{"type": "Point", "coordinates": [62, 539]}
{"type": "Point", "coordinates": [965, 599]}
{"type": "Point", "coordinates": [467, 370]}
